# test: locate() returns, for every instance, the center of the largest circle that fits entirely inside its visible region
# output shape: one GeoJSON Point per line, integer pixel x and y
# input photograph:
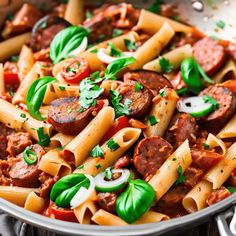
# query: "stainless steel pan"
{"type": "Point", "coordinates": [209, 12]}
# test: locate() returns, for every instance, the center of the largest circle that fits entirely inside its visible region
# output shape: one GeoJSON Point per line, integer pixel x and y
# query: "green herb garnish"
{"type": "Point", "coordinates": [131, 46]}
{"type": "Point", "coordinates": [152, 120]}
{"type": "Point", "coordinates": [138, 87]}
{"type": "Point", "coordinates": [181, 177]}
{"type": "Point", "coordinates": [97, 152]}
{"type": "Point", "coordinates": [114, 52]}
{"type": "Point", "coordinates": [108, 173]}
{"type": "Point", "coordinates": [220, 24]}
{"type": "Point", "coordinates": [44, 139]}
{"type": "Point", "coordinates": [116, 32]}
{"type": "Point", "coordinates": [165, 65]}
{"type": "Point", "coordinates": [112, 144]}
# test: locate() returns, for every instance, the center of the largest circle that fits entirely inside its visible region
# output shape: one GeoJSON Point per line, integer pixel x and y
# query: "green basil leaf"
{"type": "Point", "coordinates": [190, 75]}
{"type": "Point", "coordinates": [66, 41]}
{"type": "Point", "coordinates": [35, 95]}
{"type": "Point", "coordinates": [65, 189]}
{"type": "Point", "coordinates": [135, 200]}
{"type": "Point", "coordinates": [204, 76]}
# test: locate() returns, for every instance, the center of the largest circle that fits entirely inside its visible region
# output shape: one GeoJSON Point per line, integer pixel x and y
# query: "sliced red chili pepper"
{"type": "Point", "coordinates": [59, 213]}
{"type": "Point", "coordinates": [120, 123]}
{"type": "Point", "coordinates": [11, 80]}
{"type": "Point", "coordinates": [76, 71]}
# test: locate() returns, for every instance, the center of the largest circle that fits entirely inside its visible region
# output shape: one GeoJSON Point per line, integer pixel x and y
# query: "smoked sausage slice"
{"type": "Point", "coordinates": [150, 154]}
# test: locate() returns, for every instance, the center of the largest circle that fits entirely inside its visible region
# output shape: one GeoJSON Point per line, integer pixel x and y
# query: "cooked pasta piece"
{"type": "Point", "coordinates": [12, 117]}
{"type": "Point", "coordinates": [88, 138]}
{"type": "Point", "coordinates": [75, 12]}
{"type": "Point", "coordinates": [61, 140]}
{"type": "Point", "coordinates": [34, 203]}
{"type": "Point", "coordinates": [168, 172]}
{"type": "Point", "coordinates": [50, 95]}
{"type": "Point", "coordinates": [51, 163]}
{"type": "Point", "coordinates": [150, 23]}
{"type": "Point", "coordinates": [213, 142]}
{"type": "Point", "coordinates": [124, 139]}
{"type": "Point", "coordinates": [195, 200]}
{"type": "Point", "coordinates": [44, 111]}
{"type": "Point", "coordinates": [2, 82]}
{"type": "Point", "coordinates": [153, 46]}
{"type": "Point", "coordinates": [175, 57]}
{"type": "Point", "coordinates": [13, 45]}
{"type": "Point", "coordinates": [16, 195]}
{"type": "Point", "coordinates": [25, 62]}
{"type": "Point", "coordinates": [151, 217]}
{"type": "Point", "coordinates": [65, 90]}
{"type": "Point", "coordinates": [229, 130]}
{"type": "Point", "coordinates": [21, 92]}
{"type": "Point", "coordinates": [162, 109]}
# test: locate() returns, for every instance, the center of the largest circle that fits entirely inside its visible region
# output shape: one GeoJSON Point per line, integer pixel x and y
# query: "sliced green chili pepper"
{"type": "Point", "coordinates": [30, 157]}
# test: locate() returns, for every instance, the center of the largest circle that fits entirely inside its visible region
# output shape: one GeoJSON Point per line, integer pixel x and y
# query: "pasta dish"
{"type": "Point", "coordinates": [115, 115]}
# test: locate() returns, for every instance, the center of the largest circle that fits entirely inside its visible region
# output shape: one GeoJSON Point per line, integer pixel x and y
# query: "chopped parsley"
{"type": "Point", "coordinates": [120, 108]}
{"type": "Point", "coordinates": [108, 173]}
{"type": "Point", "coordinates": [165, 65]}
{"type": "Point", "coordinates": [95, 50]}
{"type": "Point", "coordinates": [162, 93]}
{"type": "Point", "coordinates": [14, 58]}
{"type": "Point", "coordinates": [98, 166]}
{"type": "Point", "coordinates": [220, 24]}
{"type": "Point", "coordinates": [62, 88]}
{"type": "Point", "coordinates": [181, 177]}
{"type": "Point", "coordinates": [208, 99]}
{"type": "Point", "coordinates": [156, 6]}
{"type": "Point", "coordinates": [71, 69]}
{"type": "Point", "coordinates": [88, 14]}
{"type": "Point", "coordinates": [97, 152]}
{"type": "Point", "coordinates": [60, 148]}
{"type": "Point", "coordinates": [138, 87]}
{"type": "Point", "coordinates": [231, 189]}
{"type": "Point", "coordinates": [152, 120]}
{"type": "Point", "coordinates": [69, 110]}
{"type": "Point", "coordinates": [114, 52]}
{"type": "Point", "coordinates": [174, 159]}
{"type": "Point", "coordinates": [206, 146]}
{"type": "Point", "coordinates": [112, 145]}
{"type": "Point", "coordinates": [44, 139]}
{"type": "Point", "coordinates": [80, 167]}
{"type": "Point", "coordinates": [116, 32]}
{"type": "Point", "coordinates": [22, 115]}
{"type": "Point", "coordinates": [10, 17]}
{"type": "Point", "coordinates": [11, 92]}
{"type": "Point", "coordinates": [131, 46]}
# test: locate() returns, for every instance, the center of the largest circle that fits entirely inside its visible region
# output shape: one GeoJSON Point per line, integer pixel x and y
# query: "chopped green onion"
{"type": "Point", "coordinates": [62, 88]}
{"type": "Point", "coordinates": [206, 146]}
{"type": "Point", "coordinates": [165, 65]}
{"type": "Point", "coordinates": [95, 50]}
{"type": "Point", "coordinates": [44, 139]}
{"type": "Point", "coordinates": [152, 120]}
{"type": "Point", "coordinates": [162, 93]}
{"type": "Point", "coordinates": [181, 177]}
{"type": "Point", "coordinates": [98, 166]}
{"type": "Point", "coordinates": [108, 173]}
{"type": "Point", "coordinates": [220, 24]}
{"type": "Point", "coordinates": [132, 46]}
{"type": "Point", "coordinates": [97, 152]}
{"type": "Point", "coordinates": [112, 145]}
{"type": "Point", "coordinates": [116, 32]}
{"type": "Point", "coordinates": [138, 87]}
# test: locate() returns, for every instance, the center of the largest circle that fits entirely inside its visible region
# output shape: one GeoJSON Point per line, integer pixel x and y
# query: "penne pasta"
{"type": "Point", "coordinates": [78, 149]}
{"type": "Point", "coordinates": [151, 217]}
{"type": "Point", "coordinates": [12, 117]}
{"type": "Point", "coordinates": [50, 95]}
{"type": "Point", "coordinates": [166, 176]}
{"type": "Point", "coordinates": [125, 138]}
{"type": "Point", "coordinates": [34, 203]}
{"type": "Point", "coordinates": [175, 57]}
{"type": "Point", "coordinates": [213, 142]}
{"type": "Point", "coordinates": [150, 23]}
{"type": "Point", "coordinates": [61, 140]}
{"type": "Point", "coordinates": [162, 109]}
{"type": "Point", "coordinates": [229, 130]}
{"type": "Point", "coordinates": [65, 90]}
{"type": "Point", "coordinates": [75, 12]}
{"type": "Point", "coordinates": [2, 82]}
{"type": "Point", "coordinates": [13, 45]}
{"type": "Point", "coordinates": [14, 194]}
{"type": "Point", "coordinates": [25, 62]}
{"type": "Point", "coordinates": [52, 164]}
{"type": "Point", "coordinates": [153, 46]}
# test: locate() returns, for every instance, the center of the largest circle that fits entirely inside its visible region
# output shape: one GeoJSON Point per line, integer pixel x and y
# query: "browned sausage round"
{"type": "Point", "coordinates": [107, 201]}
{"type": "Point", "coordinates": [45, 29]}
{"type": "Point", "coordinates": [150, 154]}
{"type": "Point", "coordinates": [25, 175]}
{"type": "Point", "coordinates": [66, 116]}
{"type": "Point", "coordinates": [149, 79]}
{"type": "Point", "coordinates": [227, 105]}
{"type": "Point", "coordinates": [209, 54]}
{"type": "Point", "coordinates": [182, 127]}
{"type": "Point", "coordinates": [140, 101]}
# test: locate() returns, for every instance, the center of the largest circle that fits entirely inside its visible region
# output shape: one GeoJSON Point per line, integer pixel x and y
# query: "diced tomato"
{"type": "Point", "coordinates": [120, 123]}
{"type": "Point", "coordinates": [59, 213]}
{"type": "Point", "coordinates": [76, 71]}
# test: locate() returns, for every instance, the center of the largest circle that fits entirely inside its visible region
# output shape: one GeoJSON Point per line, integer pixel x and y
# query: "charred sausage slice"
{"type": "Point", "coordinates": [150, 154]}
{"type": "Point", "coordinates": [25, 175]}
{"type": "Point", "coordinates": [182, 127]}
{"type": "Point", "coordinates": [66, 116]}
{"type": "Point", "coordinates": [140, 101]}
{"type": "Point", "coordinates": [149, 79]}
{"type": "Point", "coordinates": [209, 54]}
{"type": "Point", "coordinates": [227, 105]}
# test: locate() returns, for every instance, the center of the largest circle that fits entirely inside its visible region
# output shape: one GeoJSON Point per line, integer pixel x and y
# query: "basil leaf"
{"type": "Point", "coordinates": [65, 189]}
{"type": "Point", "coordinates": [66, 41]}
{"type": "Point", "coordinates": [44, 139]}
{"type": "Point", "coordinates": [190, 75]}
{"type": "Point", "coordinates": [115, 52]}
{"type": "Point", "coordinates": [135, 200]}
{"type": "Point", "coordinates": [204, 76]}
{"type": "Point", "coordinates": [116, 66]}
{"type": "Point", "coordinates": [35, 95]}
{"type": "Point", "coordinates": [165, 65]}
{"type": "Point", "coordinates": [231, 189]}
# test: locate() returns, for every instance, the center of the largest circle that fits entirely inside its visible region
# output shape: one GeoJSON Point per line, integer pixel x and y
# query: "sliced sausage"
{"type": "Point", "coordinates": [149, 79]}
{"type": "Point", "coordinates": [205, 159]}
{"type": "Point", "coordinates": [217, 195]}
{"type": "Point", "coordinates": [227, 105]}
{"type": "Point", "coordinates": [231, 50]}
{"type": "Point", "coordinates": [209, 54]}
{"type": "Point", "coordinates": [66, 116]}
{"type": "Point", "coordinates": [192, 176]}
{"type": "Point", "coordinates": [25, 175]}
{"type": "Point", "coordinates": [45, 30]}
{"type": "Point", "coordinates": [182, 126]}
{"type": "Point", "coordinates": [139, 101]}
{"type": "Point", "coordinates": [17, 142]}
{"type": "Point", "coordinates": [122, 162]}
{"type": "Point", "coordinates": [107, 201]}
{"type": "Point", "coordinates": [150, 154]}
